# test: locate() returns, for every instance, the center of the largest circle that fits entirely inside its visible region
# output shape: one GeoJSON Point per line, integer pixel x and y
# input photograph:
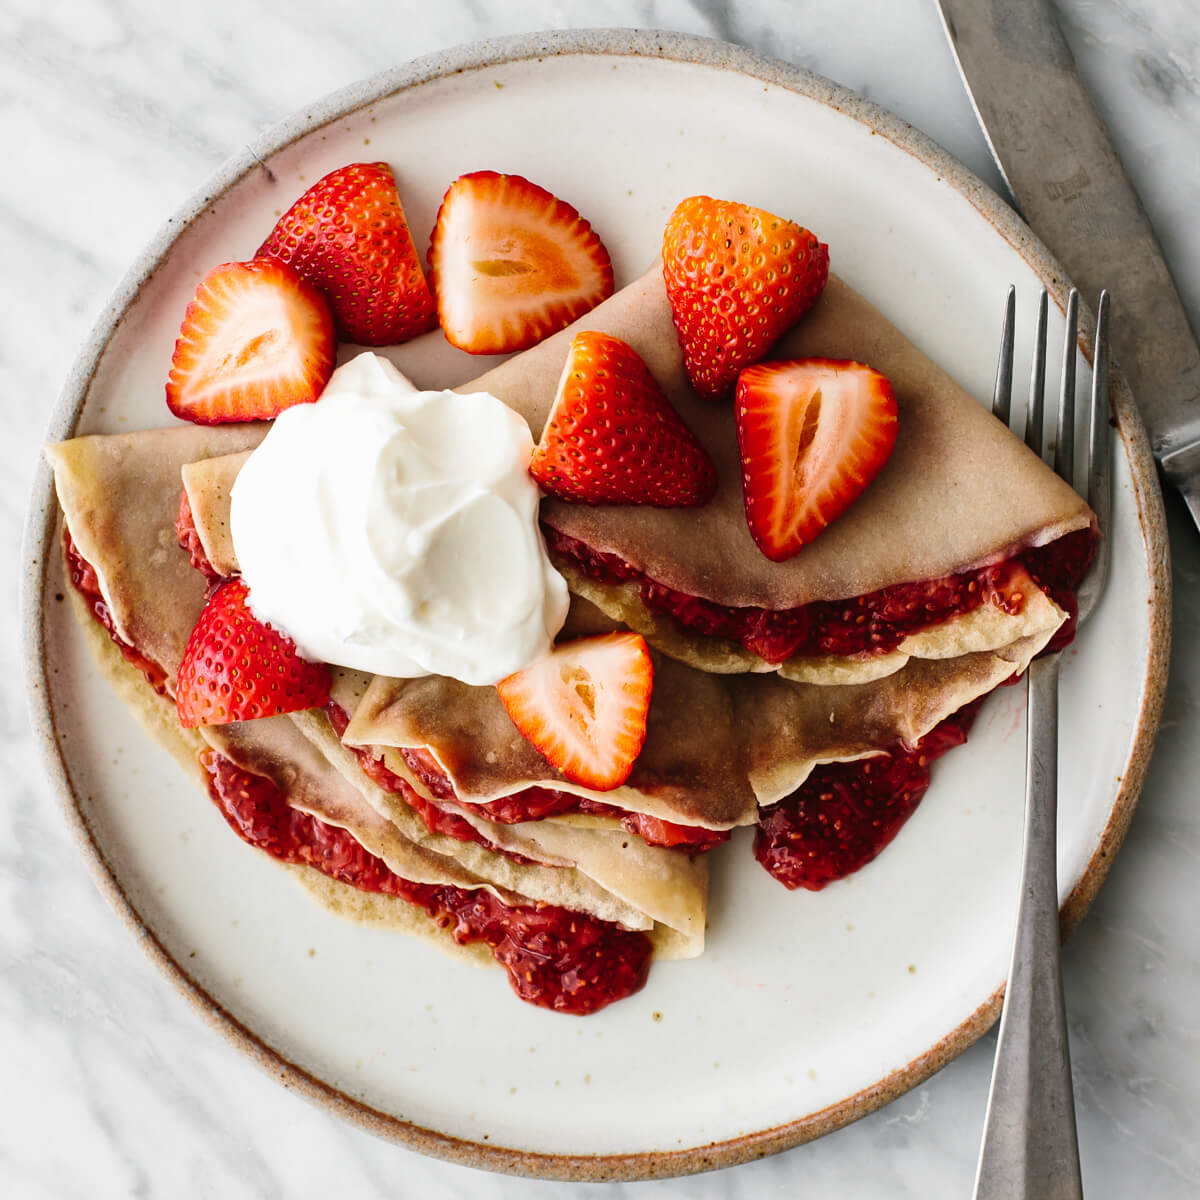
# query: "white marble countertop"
{"type": "Point", "coordinates": [112, 112]}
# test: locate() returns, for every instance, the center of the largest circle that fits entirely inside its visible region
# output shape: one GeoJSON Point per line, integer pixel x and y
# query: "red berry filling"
{"type": "Point", "coordinates": [436, 820]}
{"type": "Point", "coordinates": [536, 803]}
{"type": "Point", "coordinates": [555, 958]}
{"type": "Point", "coordinates": [869, 624]}
{"type": "Point", "coordinates": [87, 584]}
{"type": "Point", "coordinates": [188, 536]}
{"type": "Point", "coordinates": [844, 814]}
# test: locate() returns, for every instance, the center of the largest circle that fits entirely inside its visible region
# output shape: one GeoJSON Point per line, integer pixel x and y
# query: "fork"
{"type": "Point", "coordinates": [1030, 1147]}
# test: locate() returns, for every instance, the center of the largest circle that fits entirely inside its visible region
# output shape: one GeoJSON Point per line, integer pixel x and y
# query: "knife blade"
{"type": "Point", "coordinates": [1056, 157]}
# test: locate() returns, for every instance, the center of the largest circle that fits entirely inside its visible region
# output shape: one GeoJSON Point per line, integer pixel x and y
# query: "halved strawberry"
{"type": "Point", "coordinates": [584, 705]}
{"type": "Point", "coordinates": [737, 279]}
{"type": "Point", "coordinates": [255, 340]}
{"type": "Point", "coordinates": [348, 235]}
{"type": "Point", "coordinates": [612, 436]}
{"type": "Point", "coordinates": [812, 433]}
{"type": "Point", "coordinates": [235, 668]}
{"type": "Point", "coordinates": [512, 264]}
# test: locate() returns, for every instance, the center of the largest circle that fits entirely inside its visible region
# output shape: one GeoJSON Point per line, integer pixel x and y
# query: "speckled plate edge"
{"type": "Point", "coordinates": [40, 525]}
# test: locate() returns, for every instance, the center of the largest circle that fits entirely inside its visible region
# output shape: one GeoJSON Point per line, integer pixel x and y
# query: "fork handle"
{"type": "Point", "coordinates": [1030, 1148]}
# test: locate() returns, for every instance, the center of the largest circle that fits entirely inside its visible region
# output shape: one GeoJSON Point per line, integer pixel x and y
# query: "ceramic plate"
{"type": "Point", "coordinates": [806, 1010]}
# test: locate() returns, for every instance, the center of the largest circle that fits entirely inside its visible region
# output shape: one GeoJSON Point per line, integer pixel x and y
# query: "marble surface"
{"type": "Point", "coordinates": [111, 115]}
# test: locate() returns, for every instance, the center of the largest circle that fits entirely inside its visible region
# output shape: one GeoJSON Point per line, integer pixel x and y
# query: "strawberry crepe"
{"type": "Point", "coordinates": [744, 730]}
{"type": "Point", "coordinates": [958, 493]}
{"type": "Point", "coordinates": [120, 498]}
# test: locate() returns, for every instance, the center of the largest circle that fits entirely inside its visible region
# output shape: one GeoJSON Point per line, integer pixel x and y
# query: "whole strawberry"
{"type": "Point", "coordinates": [348, 236]}
{"type": "Point", "coordinates": [737, 279]}
{"type": "Point", "coordinates": [612, 436]}
{"type": "Point", "coordinates": [235, 668]}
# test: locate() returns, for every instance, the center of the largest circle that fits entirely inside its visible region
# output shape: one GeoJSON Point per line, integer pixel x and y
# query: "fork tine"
{"type": "Point", "coordinates": [1002, 396]}
{"type": "Point", "coordinates": [1099, 491]}
{"type": "Point", "coordinates": [1064, 438]}
{"type": "Point", "coordinates": [1099, 466]}
{"type": "Point", "coordinates": [1037, 383]}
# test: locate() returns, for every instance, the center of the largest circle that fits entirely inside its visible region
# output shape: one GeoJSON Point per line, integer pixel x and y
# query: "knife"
{"type": "Point", "coordinates": [1057, 159]}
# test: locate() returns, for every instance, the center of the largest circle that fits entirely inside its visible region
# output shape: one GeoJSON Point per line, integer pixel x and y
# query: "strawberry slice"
{"type": "Point", "coordinates": [512, 264]}
{"type": "Point", "coordinates": [612, 436]}
{"type": "Point", "coordinates": [235, 668]}
{"type": "Point", "coordinates": [348, 236]}
{"type": "Point", "coordinates": [584, 705]}
{"type": "Point", "coordinates": [737, 279]}
{"type": "Point", "coordinates": [812, 433]}
{"type": "Point", "coordinates": [255, 340]}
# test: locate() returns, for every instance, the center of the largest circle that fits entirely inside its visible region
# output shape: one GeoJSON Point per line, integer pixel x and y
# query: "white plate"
{"type": "Point", "coordinates": [807, 1009]}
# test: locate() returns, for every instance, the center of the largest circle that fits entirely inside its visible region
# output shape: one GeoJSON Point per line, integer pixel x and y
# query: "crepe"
{"type": "Point", "coordinates": [120, 497]}
{"type": "Point", "coordinates": [717, 746]}
{"type": "Point", "coordinates": [958, 492]}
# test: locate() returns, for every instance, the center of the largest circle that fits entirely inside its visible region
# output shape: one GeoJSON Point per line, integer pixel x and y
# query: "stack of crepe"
{"type": "Point", "coordinates": [728, 732]}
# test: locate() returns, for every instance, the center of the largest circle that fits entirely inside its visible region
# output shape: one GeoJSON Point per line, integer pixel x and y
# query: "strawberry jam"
{"type": "Point", "coordinates": [873, 623]}
{"type": "Point", "coordinates": [567, 961]}
{"type": "Point", "coordinates": [844, 814]}
{"type": "Point", "coordinates": [436, 820]}
{"type": "Point", "coordinates": [529, 804]}
{"type": "Point", "coordinates": [87, 584]}
{"type": "Point", "coordinates": [537, 803]}
{"type": "Point", "coordinates": [188, 536]}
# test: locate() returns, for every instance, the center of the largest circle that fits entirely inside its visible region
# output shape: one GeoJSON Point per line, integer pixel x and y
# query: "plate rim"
{"type": "Point", "coordinates": [42, 518]}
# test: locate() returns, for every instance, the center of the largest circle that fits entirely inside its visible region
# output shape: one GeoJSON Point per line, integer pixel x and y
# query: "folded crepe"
{"type": "Point", "coordinates": [958, 493]}
{"type": "Point", "coordinates": [120, 498]}
{"type": "Point", "coordinates": [717, 746]}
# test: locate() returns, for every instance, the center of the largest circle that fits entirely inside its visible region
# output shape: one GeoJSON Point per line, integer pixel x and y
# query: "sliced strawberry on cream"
{"type": "Point", "coordinates": [349, 237]}
{"type": "Point", "coordinates": [256, 339]}
{"type": "Point", "coordinates": [511, 263]}
{"type": "Point", "coordinates": [235, 668]}
{"type": "Point", "coordinates": [812, 434]}
{"type": "Point", "coordinates": [612, 436]}
{"type": "Point", "coordinates": [584, 706]}
{"type": "Point", "coordinates": [737, 278]}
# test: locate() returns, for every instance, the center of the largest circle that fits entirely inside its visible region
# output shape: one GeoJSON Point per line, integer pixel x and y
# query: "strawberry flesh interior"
{"type": "Point", "coordinates": [558, 959]}
{"type": "Point", "coordinates": [874, 623]}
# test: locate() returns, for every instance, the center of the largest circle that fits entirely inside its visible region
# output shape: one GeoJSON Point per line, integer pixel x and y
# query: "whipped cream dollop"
{"type": "Point", "coordinates": [395, 531]}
